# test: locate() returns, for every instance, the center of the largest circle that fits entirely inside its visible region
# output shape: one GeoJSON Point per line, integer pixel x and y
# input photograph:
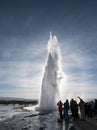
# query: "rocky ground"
{"type": "Point", "coordinates": [45, 121]}
{"type": "Point", "coordinates": [88, 124]}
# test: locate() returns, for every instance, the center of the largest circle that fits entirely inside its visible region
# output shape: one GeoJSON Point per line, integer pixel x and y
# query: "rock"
{"type": "Point", "coordinates": [41, 128]}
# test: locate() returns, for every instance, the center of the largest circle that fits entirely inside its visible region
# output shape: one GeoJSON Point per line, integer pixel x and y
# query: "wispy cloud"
{"type": "Point", "coordinates": [20, 93]}
{"type": "Point", "coordinates": [20, 72]}
{"type": "Point", "coordinates": [79, 59]}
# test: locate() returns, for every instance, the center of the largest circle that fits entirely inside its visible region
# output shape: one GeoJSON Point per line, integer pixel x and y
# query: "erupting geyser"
{"type": "Point", "coordinates": [52, 76]}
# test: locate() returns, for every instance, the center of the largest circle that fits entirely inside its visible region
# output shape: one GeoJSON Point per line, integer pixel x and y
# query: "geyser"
{"type": "Point", "coordinates": [52, 76]}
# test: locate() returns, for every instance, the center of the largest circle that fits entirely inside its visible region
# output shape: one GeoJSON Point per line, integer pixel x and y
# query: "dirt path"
{"type": "Point", "coordinates": [88, 124]}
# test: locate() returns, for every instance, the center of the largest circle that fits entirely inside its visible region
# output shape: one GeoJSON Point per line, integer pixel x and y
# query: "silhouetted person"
{"type": "Point", "coordinates": [92, 107]}
{"type": "Point", "coordinates": [66, 108]}
{"type": "Point", "coordinates": [76, 116]}
{"type": "Point", "coordinates": [82, 108]}
{"type": "Point", "coordinates": [74, 109]}
{"type": "Point", "coordinates": [95, 107]}
{"type": "Point", "coordinates": [60, 107]}
{"type": "Point", "coordinates": [87, 109]}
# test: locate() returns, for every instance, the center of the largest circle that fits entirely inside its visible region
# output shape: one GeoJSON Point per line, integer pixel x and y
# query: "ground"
{"type": "Point", "coordinates": [45, 121]}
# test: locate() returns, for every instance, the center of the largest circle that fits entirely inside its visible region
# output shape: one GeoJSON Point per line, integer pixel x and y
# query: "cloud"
{"type": "Point", "coordinates": [17, 49]}
{"type": "Point", "coordinates": [21, 67]}
{"type": "Point", "coordinates": [79, 59]}
{"type": "Point", "coordinates": [20, 74]}
{"type": "Point", "coordinates": [20, 93]}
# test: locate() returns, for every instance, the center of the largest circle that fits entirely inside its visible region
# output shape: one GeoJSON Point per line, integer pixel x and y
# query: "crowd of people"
{"type": "Point", "coordinates": [82, 109]}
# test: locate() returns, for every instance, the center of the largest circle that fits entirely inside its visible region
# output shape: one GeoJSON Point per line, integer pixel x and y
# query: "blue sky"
{"type": "Point", "coordinates": [24, 32]}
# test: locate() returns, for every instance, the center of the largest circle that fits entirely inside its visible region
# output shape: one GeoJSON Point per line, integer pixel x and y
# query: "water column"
{"type": "Point", "coordinates": [52, 76]}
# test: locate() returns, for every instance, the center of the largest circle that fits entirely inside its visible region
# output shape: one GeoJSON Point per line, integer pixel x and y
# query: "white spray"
{"type": "Point", "coordinates": [52, 76]}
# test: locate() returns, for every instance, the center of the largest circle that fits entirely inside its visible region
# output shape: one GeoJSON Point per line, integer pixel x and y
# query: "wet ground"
{"type": "Point", "coordinates": [33, 120]}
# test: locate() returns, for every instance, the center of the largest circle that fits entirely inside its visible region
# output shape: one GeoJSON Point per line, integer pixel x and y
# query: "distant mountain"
{"type": "Point", "coordinates": [11, 100]}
